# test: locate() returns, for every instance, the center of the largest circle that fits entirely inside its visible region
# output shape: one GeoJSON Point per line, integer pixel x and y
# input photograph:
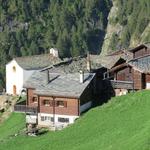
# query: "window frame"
{"type": "Point", "coordinates": [61, 103]}
{"type": "Point", "coordinates": [47, 118]}
{"type": "Point", "coordinates": [49, 102]}
{"type": "Point", "coordinates": [63, 120]}
{"type": "Point", "coordinates": [34, 99]}
{"type": "Point", "coordinates": [46, 102]}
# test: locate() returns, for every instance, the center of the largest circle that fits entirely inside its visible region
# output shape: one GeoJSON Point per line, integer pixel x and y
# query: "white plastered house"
{"type": "Point", "coordinates": [20, 69]}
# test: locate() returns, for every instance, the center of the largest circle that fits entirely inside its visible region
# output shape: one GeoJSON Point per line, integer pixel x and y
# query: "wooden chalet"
{"type": "Point", "coordinates": [59, 98]}
{"type": "Point", "coordinates": [131, 74]}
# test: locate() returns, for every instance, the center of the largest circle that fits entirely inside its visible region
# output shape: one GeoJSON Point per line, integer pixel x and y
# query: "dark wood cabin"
{"type": "Point", "coordinates": [140, 51]}
{"type": "Point", "coordinates": [125, 73]}
{"type": "Point", "coordinates": [132, 75]}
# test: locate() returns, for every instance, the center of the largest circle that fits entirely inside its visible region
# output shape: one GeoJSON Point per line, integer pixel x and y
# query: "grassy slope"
{"type": "Point", "coordinates": [11, 126]}
{"type": "Point", "coordinates": [121, 124]}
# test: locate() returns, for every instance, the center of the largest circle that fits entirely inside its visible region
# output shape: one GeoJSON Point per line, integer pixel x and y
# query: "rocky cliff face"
{"type": "Point", "coordinates": [128, 25]}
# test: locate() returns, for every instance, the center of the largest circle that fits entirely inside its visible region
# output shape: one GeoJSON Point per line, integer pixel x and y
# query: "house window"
{"type": "Point", "coordinates": [130, 70]}
{"type": "Point", "coordinates": [42, 118]}
{"type": "Point", "coordinates": [47, 102]}
{"type": "Point", "coordinates": [64, 120]}
{"type": "Point", "coordinates": [61, 103]}
{"type": "Point", "coordinates": [47, 118]}
{"type": "Point", "coordinates": [34, 99]}
{"type": "Point", "coordinates": [14, 69]}
{"type": "Point", "coordinates": [52, 119]}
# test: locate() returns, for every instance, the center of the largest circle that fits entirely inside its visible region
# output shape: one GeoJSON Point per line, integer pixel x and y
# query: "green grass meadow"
{"type": "Point", "coordinates": [121, 124]}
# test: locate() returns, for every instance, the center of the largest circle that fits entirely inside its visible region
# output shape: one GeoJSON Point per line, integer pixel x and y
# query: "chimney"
{"type": "Point", "coordinates": [54, 52]}
{"type": "Point", "coordinates": [47, 76]}
{"type": "Point", "coordinates": [81, 76]}
{"type": "Point", "coordinates": [88, 65]}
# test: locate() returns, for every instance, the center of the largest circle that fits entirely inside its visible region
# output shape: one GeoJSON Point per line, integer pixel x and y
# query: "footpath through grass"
{"type": "Point", "coordinates": [121, 124]}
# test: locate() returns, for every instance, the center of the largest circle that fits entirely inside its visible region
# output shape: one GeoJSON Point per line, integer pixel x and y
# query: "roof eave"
{"type": "Point", "coordinates": [137, 48]}
{"type": "Point", "coordinates": [59, 96]}
{"type": "Point", "coordinates": [119, 66]}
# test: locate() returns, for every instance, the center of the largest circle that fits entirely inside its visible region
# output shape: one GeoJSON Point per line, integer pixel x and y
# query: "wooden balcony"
{"type": "Point", "coordinates": [122, 84]}
{"type": "Point", "coordinates": [25, 109]}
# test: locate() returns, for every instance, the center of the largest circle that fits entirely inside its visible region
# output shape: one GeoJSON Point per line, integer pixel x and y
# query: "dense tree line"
{"type": "Point", "coordinates": [29, 27]}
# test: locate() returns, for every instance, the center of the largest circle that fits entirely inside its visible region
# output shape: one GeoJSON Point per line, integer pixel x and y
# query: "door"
{"type": "Point", "coordinates": [14, 89]}
{"type": "Point", "coordinates": [143, 81]}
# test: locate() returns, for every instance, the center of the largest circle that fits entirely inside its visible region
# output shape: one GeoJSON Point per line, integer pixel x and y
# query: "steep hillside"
{"type": "Point", "coordinates": [121, 124]}
{"type": "Point", "coordinates": [128, 25]}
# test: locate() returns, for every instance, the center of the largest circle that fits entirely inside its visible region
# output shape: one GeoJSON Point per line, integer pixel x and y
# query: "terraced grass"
{"type": "Point", "coordinates": [121, 124]}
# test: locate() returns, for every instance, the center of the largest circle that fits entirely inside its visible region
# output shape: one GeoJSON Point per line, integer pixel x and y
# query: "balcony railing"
{"type": "Point", "coordinates": [25, 109]}
{"type": "Point", "coordinates": [122, 84]}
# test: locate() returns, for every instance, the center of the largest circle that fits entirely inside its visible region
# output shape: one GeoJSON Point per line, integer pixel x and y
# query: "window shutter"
{"type": "Point", "coordinates": [43, 102]}
{"type": "Point", "coordinates": [65, 104]}
{"type": "Point", "coordinates": [51, 103]}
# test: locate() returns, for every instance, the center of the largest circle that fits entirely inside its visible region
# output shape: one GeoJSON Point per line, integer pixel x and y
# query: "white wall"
{"type": "Point", "coordinates": [31, 119]}
{"type": "Point", "coordinates": [17, 78]}
{"type": "Point", "coordinates": [48, 122]}
{"type": "Point", "coordinates": [14, 78]}
{"type": "Point", "coordinates": [119, 92]}
{"type": "Point", "coordinates": [147, 85]}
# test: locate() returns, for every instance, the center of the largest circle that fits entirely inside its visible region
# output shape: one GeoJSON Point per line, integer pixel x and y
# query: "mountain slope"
{"type": "Point", "coordinates": [123, 123]}
{"type": "Point", "coordinates": [128, 25]}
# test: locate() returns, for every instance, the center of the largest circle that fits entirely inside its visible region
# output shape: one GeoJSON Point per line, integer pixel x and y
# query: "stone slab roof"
{"type": "Point", "coordinates": [36, 61]}
{"type": "Point", "coordinates": [141, 64]}
{"type": "Point", "coordinates": [65, 85]}
{"type": "Point", "coordinates": [73, 65]}
{"type": "Point", "coordinates": [108, 61]}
